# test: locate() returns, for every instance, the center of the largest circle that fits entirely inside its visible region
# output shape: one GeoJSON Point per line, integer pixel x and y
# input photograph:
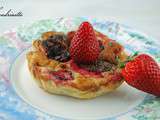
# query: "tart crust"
{"type": "Point", "coordinates": [84, 86]}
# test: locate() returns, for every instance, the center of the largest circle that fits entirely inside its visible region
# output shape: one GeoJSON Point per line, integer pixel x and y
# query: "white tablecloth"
{"type": "Point", "coordinates": [143, 15]}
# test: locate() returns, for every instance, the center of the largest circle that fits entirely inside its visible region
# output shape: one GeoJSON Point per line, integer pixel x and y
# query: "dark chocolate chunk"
{"type": "Point", "coordinates": [56, 47]}
{"type": "Point", "coordinates": [99, 66]}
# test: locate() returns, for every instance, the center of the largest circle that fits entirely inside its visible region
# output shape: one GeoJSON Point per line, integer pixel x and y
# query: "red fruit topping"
{"type": "Point", "coordinates": [84, 46]}
{"type": "Point", "coordinates": [83, 71]}
{"type": "Point", "coordinates": [62, 75]}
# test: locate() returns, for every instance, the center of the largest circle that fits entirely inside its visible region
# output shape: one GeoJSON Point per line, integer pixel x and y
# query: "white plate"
{"type": "Point", "coordinates": [118, 102]}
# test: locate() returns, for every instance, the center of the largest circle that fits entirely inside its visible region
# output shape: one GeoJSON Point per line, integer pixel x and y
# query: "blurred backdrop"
{"type": "Point", "coordinates": [143, 15]}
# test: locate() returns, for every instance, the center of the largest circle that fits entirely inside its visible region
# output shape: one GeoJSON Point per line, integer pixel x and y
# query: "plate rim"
{"type": "Point", "coordinates": [86, 18]}
{"type": "Point", "coordinates": [56, 116]}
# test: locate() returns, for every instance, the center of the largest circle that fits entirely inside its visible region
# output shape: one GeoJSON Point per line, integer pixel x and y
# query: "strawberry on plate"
{"type": "Point", "coordinates": [84, 46]}
{"type": "Point", "coordinates": [143, 73]}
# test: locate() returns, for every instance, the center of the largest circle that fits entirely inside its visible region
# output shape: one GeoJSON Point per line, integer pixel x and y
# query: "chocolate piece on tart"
{"type": "Point", "coordinates": [56, 47]}
{"type": "Point", "coordinates": [98, 66]}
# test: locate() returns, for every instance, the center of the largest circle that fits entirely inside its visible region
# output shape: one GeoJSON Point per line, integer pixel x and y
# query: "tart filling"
{"type": "Point", "coordinates": [56, 48]}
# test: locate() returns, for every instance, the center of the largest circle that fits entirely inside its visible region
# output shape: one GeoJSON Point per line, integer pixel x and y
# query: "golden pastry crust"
{"type": "Point", "coordinates": [82, 85]}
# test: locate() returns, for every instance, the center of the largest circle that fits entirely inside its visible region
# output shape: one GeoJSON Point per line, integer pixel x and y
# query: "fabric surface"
{"type": "Point", "coordinates": [14, 41]}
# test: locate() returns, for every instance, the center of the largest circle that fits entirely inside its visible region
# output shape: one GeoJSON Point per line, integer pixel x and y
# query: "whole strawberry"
{"type": "Point", "coordinates": [84, 46]}
{"type": "Point", "coordinates": [143, 73]}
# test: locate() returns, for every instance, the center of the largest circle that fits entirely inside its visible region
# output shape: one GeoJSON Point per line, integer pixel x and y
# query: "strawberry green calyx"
{"type": "Point", "coordinates": [122, 64]}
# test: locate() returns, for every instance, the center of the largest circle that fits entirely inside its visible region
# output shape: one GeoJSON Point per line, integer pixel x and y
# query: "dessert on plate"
{"type": "Point", "coordinates": [83, 63]}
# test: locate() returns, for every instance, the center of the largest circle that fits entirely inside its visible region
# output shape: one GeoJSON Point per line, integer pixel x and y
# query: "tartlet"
{"type": "Point", "coordinates": [56, 72]}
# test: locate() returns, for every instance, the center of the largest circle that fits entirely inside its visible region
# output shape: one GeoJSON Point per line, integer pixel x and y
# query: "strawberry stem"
{"type": "Point", "coordinates": [129, 58]}
{"type": "Point", "coordinates": [135, 54]}
{"type": "Point", "coordinates": [121, 64]}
